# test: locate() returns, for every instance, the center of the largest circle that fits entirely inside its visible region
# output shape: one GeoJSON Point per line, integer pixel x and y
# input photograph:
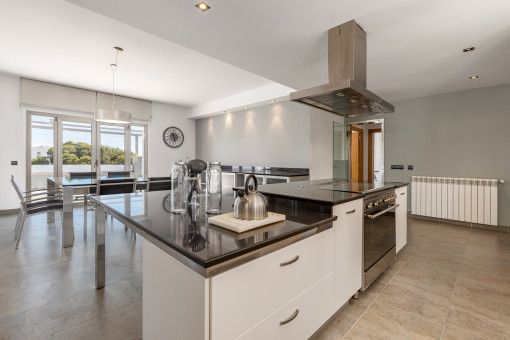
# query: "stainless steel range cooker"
{"type": "Point", "coordinates": [379, 234]}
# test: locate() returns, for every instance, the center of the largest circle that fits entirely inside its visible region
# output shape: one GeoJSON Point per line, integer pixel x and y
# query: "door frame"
{"type": "Point", "coordinates": [28, 153]}
{"type": "Point", "coordinates": [371, 152]}
{"type": "Point", "coordinates": [60, 131]}
{"type": "Point", "coordinates": [127, 144]}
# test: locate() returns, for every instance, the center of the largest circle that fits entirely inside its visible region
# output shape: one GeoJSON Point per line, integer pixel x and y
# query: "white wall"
{"type": "Point", "coordinates": [161, 156]}
{"type": "Point", "coordinates": [10, 140]}
{"type": "Point", "coordinates": [321, 143]}
{"type": "Point", "coordinates": [276, 135]}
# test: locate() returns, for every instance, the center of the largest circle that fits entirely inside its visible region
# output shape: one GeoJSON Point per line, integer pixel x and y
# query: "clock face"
{"type": "Point", "coordinates": [173, 137]}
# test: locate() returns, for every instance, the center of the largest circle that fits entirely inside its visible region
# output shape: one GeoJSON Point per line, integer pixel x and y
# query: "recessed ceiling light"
{"type": "Point", "coordinates": [203, 6]}
{"type": "Point", "coordinates": [272, 101]}
{"type": "Point", "coordinates": [469, 49]}
{"type": "Point", "coordinates": [473, 77]}
{"type": "Point", "coordinates": [245, 107]}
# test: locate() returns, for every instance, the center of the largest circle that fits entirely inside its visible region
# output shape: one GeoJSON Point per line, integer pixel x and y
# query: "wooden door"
{"type": "Point", "coordinates": [356, 154]}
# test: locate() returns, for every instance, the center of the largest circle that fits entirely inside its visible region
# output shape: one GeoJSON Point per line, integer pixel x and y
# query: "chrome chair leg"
{"type": "Point", "coordinates": [18, 221]}
{"type": "Point", "coordinates": [85, 216]}
{"type": "Point", "coordinates": [22, 224]}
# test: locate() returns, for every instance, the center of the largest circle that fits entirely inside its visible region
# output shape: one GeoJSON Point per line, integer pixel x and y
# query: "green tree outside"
{"type": "Point", "coordinates": [80, 153]}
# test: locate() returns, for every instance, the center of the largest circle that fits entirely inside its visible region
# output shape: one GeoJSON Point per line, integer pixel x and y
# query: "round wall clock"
{"type": "Point", "coordinates": [173, 137]}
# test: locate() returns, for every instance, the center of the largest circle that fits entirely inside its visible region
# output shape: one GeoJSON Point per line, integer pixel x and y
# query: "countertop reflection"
{"type": "Point", "coordinates": [191, 235]}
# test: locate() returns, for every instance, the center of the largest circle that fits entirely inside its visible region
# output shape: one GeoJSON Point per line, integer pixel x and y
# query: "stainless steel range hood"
{"type": "Point", "coordinates": [346, 92]}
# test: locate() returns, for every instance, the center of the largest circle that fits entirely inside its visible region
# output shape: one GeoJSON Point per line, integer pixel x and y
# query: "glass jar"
{"type": "Point", "coordinates": [213, 187]}
{"type": "Point", "coordinates": [179, 187]}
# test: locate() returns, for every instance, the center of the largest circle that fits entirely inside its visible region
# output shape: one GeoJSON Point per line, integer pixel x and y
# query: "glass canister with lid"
{"type": "Point", "coordinates": [179, 187]}
{"type": "Point", "coordinates": [213, 187]}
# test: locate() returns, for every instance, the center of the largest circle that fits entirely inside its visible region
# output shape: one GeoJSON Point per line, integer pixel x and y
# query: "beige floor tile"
{"type": "Point", "coordinates": [420, 297]}
{"type": "Point", "coordinates": [337, 327]}
{"type": "Point", "coordinates": [390, 272]}
{"type": "Point", "coordinates": [123, 323]}
{"type": "Point", "coordinates": [358, 307]}
{"type": "Point", "coordinates": [84, 331]}
{"type": "Point", "coordinates": [444, 273]}
{"type": "Point", "coordinates": [383, 321]}
{"type": "Point", "coordinates": [489, 300]}
{"type": "Point", "coordinates": [13, 327]}
{"type": "Point", "coordinates": [462, 325]}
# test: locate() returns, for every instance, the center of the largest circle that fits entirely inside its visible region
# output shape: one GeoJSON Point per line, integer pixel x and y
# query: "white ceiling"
{"type": "Point", "coordinates": [414, 46]}
{"type": "Point", "coordinates": [56, 41]}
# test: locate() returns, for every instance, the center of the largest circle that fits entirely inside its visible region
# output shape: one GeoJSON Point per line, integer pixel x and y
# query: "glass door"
{"type": "Point", "coordinates": [114, 149]}
{"type": "Point", "coordinates": [41, 154]}
{"type": "Point", "coordinates": [138, 154]}
{"type": "Point", "coordinates": [75, 146]}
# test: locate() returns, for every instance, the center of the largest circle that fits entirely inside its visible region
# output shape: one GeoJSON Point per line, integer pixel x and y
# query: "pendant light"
{"type": "Point", "coordinates": [112, 115]}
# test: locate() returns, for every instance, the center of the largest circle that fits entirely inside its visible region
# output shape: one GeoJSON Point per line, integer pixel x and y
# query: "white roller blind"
{"type": "Point", "coordinates": [139, 109]}
{"type": "Point", "coordinates": [39, 93]}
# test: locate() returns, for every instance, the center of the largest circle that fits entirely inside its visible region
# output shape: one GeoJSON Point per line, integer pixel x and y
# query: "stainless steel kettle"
{"type": "Point", "coordinates": [250, 204]}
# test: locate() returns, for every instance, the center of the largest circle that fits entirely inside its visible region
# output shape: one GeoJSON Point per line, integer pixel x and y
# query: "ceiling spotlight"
{"type": "Point", "coordinates": [473, 77]}
{"type": "Point", "coordinates": [245, 106]}
{"type": "Point", "coordinates": [203, 6]}
{"type": "Point", "coordinates": [272, 101]}
{"type": "Point", "coordinates": [469, 49]}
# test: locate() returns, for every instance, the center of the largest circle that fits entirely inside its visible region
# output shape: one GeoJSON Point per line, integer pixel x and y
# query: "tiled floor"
{"type": "Point", "coordinates": [47, 292]}
{"type": "Point", "coordinates": [449, 282]}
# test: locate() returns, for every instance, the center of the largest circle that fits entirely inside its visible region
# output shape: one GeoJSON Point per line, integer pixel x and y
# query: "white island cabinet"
{"type": "Point", "coordinates": [286, 294]}
{"type": "Point", "coordinates": [252, 300]}
{"type": "Point", "coordinates": [401, 217]}
{"type": "Point", "coordinates": [348, 250]}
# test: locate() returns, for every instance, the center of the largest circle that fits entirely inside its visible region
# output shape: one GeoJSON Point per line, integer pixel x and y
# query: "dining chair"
{"type": "Point", "coordinates": [111, 187]}
{"type": "Point", "coordinates": [111, 174]}
{"type": "Point", "coordinates": [35, 202]}
{"type": "Point", "coordinates": [159, 183]}
{"type": "Point", "coordinates": [89, 174]}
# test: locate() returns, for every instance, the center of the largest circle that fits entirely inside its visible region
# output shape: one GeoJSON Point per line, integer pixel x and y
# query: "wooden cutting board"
{"type": "Point", "coordinates": [228, 221]}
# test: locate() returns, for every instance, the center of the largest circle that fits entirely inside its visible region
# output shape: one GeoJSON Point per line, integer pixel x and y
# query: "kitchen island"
{"type": "Point", "coordinates": [201, 281]}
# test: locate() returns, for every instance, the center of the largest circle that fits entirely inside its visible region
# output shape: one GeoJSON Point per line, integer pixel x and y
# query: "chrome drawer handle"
{"type": "Point", "coordinates": [351, 212]}
{"type": "Point", "coordinates": [382, 212]}
{"type": "Point", "coordinates": [402, 193]}
{"type": "Point", "coordinates": [289, 262]}
{"type": "Point", "coordinates": [292, 317]}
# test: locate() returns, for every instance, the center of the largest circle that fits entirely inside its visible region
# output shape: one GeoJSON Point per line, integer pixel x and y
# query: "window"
{"type": "Point", "coordinates": [60, 144]}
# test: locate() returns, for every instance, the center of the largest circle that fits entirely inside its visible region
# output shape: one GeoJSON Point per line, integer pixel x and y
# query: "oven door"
{"type": "Point", "coordinates": [379, 234]}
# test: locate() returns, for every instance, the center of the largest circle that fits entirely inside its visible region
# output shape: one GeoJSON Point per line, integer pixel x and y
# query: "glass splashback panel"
{"type": "Point", "coordinates": [340, 151]}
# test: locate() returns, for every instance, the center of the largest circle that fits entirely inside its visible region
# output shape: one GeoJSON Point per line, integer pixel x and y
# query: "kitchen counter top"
{"type": "Point", "coordinates": [279, 172]}
{"type": "Point", "coordinates": [204, 247]}
{"type": "Point", "coordinates": [328, 191]}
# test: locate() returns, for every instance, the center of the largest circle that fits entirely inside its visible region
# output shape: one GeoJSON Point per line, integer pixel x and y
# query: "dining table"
{"type": "Point", "coordinates": [73, 189]}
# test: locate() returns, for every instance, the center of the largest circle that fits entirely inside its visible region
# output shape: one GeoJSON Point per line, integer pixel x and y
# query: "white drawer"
{"type": "Point", "coordinates": [304, 315]}
{"type": "Point", "coordinates": [244, 296]}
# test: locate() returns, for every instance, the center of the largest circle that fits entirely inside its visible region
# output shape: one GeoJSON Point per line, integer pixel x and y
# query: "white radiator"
{"type": "Point", "coordinates": [459, 199]}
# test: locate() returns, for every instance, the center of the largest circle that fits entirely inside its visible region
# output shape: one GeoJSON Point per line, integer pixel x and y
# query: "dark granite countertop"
{"type": "Point", "coordinates": [205, 247]}
{"type": "Point", "coordinates": [328, 191]}
{"type": "Point", "coordinates": [280, 172]}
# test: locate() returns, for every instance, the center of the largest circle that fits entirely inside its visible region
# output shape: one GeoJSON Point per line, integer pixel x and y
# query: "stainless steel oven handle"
{"type": "Point", "coordinates": [381, 212]}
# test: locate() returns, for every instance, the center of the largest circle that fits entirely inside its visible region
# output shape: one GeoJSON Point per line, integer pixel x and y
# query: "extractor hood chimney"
{"type": "Point", "coordinates": [346, 92]}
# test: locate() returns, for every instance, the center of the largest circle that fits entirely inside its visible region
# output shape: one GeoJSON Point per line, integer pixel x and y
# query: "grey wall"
{"type": "Point", "coordinates": [275, 135]}
{"type": "Point", "coordinates": [460, 134]}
